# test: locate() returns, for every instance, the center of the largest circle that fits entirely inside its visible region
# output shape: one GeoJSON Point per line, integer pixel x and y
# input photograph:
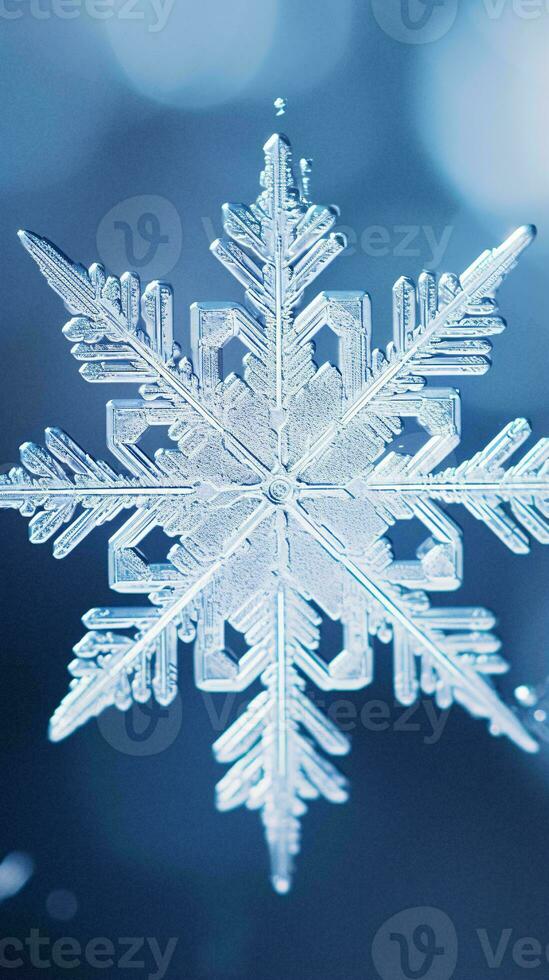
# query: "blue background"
{"type": "Point", "coordinates": [444, 134]}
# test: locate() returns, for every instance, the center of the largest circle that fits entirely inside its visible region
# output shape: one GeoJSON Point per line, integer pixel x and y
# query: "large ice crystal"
{"type": "Point", "coordinates": [279, 489]}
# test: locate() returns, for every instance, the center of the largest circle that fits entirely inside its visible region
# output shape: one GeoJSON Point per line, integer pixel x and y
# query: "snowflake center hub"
{"type": "Point", "coordinates": [279, 490]}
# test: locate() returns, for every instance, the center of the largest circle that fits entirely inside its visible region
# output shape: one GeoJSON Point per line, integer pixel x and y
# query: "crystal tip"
{"type": "Point", "coordinates": [281, 884]}
{"type": "Point", "coordinates": [280, 105]}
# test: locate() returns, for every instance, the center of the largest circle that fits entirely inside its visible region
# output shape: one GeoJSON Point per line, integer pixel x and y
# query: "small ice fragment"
{"type": "Point", "coordinates": [280, 106]}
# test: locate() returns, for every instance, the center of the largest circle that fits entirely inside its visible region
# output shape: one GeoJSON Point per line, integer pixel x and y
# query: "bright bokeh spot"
{"type": "Point", "coordinates": [197, 55]}
{"type": "Point", "coordinates": [193, 54]}
{"type": "Point", "coordinates": [16, 870]}
{"type": "Point", "coordinates": [481, 105]}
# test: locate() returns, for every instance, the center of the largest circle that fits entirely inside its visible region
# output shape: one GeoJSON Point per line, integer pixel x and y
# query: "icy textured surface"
{"type": "Point", "coordinates": [279, 491]}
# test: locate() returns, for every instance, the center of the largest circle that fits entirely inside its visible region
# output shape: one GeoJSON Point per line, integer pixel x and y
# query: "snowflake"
{"type": "Point", "coordinates": [279, 488]}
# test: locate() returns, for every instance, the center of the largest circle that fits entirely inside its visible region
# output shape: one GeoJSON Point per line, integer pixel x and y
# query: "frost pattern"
{"type": "Point", "coordinates": [279, 489]}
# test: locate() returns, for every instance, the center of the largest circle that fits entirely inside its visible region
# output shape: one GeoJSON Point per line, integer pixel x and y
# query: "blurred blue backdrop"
{"type": "Point", "coordinates": [431, 119]}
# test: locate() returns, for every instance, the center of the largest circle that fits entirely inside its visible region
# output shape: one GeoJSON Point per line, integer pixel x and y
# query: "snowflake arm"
{"type": "Point", "coordinates": [288, 237]}
{"type": "Point", "coordinates": [467, 686]}
{"type": "Point", "coordinates": [56, 483]}
{"type": "Point", "coordinates": [111, 659]}
{"type": "Point", "coordinates": [108, 337]}
{"type": "Point", "coordinates": [481, 484]}
{"type": "Point", "coordinates": [276, 766]}
{"type": "Point", "coordinates": [437, 330]}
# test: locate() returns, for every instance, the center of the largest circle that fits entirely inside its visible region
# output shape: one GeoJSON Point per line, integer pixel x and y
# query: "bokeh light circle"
{"type": "Point", "coordinates": [61, 905]}
{"type": "Point", "coordinates": [193, 55]}
{"type": "Point", "coordinates": [481, 112]}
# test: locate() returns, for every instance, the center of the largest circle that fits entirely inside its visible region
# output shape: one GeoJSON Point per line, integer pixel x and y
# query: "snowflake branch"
{"type": "Point", "coordinates": [287, 234]}
{"type": "Point", "coordinates": [274, 767]}
{"type": "Point", "coordinates": [93, 692]}
{"type": "Point", "coordinates": [403, 367]}
{"type": "Point", "coordinates": [42, 490]}
{"type": "Point", "coordinates": [474, 689]}
{"type": "Point", "coordinates": [91, 296]}
{"type": "Point", "coordinates": [480, 484]}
